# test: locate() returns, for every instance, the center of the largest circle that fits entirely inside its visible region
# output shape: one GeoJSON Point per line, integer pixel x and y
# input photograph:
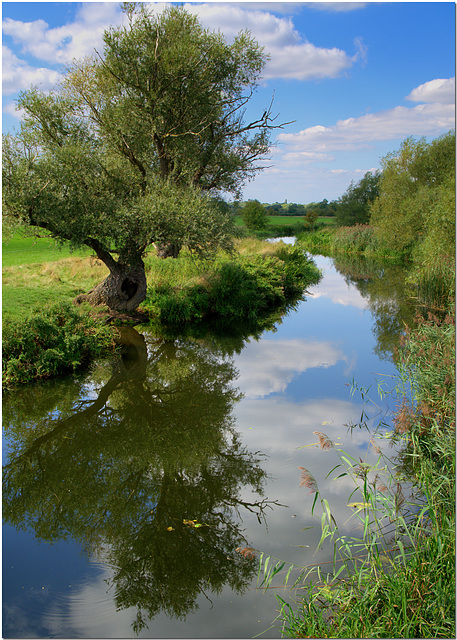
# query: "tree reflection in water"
{"type": "Point", "coordinates": [141, 464]}
{"type": "Point", "coordinates": [383, 285]}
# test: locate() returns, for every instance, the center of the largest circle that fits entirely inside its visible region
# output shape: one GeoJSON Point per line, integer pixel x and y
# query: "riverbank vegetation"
{"type": "Point", "coordinates": [397, 578]}
{"type": "Point", "coordinates": [410, 218]}
{"type": "Point", "coordinates": [263, 277]}
{"type": "Point", "coordinates": [245, 286]}
{"type": "Point", "coordinates": [51, 342]}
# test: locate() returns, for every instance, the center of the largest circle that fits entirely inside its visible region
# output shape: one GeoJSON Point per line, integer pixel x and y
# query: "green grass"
{"type": "Point", "coordinates": [27, 250]}
{"type": "Point", "coordinates": [45, 283]}
{"type": "Point", "coordinates": [288, 220]}
{"type": "Point", "coordinates": [250, 286]}
{"type": "Point", "coordinates": [260, 277]}
{"type": "Point", "coordinates": [355, 240]}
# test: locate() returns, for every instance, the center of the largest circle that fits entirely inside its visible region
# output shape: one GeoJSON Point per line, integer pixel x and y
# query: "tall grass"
{"type": "Point", "coordinates": [397, 578]}
{"type": "Point", "coordinates": [434, 282]}
{"type": "Point", "coordinates": [357, 239]}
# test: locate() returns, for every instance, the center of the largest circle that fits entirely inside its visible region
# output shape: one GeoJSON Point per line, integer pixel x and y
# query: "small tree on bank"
{"type": "Point", "coordinates": [132, 148]}
{"type": "Point", "coordinates": [311, 217]}
{"type": "Point", "coordinates": [254, 215]}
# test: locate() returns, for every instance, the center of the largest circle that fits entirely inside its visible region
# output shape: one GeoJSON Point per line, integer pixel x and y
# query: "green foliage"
{"type": "Point", "coordinates": [50, 343]}
{"type": "Point", "coordinates": [311, 217]}
{"type": "Point", "coordinates": [254, 215]}
{"type": "Point", "coordinates": [417, 195]}
{"type": "Point", "coordinates": [137, 142]}
{"type": "Point", "coordinates": [415, 212]}
{"type": "Point", "coordinates": [319, 242]}
{"type": "Point", "coordinates": [353, 240]}
{"type": "Point", "coordinates": [354, 205]}
{"type": "Point", "coordinates": [242, 287]}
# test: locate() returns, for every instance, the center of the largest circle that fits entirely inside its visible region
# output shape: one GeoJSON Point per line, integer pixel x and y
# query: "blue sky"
{"type": "Point", "coordinates": [357, 78]}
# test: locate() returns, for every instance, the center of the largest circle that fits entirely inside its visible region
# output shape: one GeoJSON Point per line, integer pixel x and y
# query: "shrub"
{"type": "Point", "coordinates": [51, 342]}
{"type": "Point", "coordinates": [254, 215]}
{"type": "Point", "coordinates": [263, 277]}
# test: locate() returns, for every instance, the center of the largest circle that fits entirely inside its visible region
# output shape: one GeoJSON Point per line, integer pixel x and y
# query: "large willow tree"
{"type": "Point", "coordinates": [134, 146]}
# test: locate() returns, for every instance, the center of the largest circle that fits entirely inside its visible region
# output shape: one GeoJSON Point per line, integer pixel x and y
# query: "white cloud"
{"type": "Point", "coordinates": [260, 421]}
{"type": "Point", "coordinates": [358, 133]}
{"type": "Point", "coordinates": [269, 366]}
{"type": "Point", "coordinates": [18, 75]}
{"type": "Point", "coordinates": [60, 45]}
{"type": "Point", "coordinates": [304, 157]}
{"type": "Point", "coordinates": [291, 56]}
{"type": "Point", "coordinates": [337, 7]}
{"type": "Point", "coordinates": [306, 62]}
{"type": "Point", "coordinates": [438, 90]}
{"type": "Point", "coordinates": [330, 287]}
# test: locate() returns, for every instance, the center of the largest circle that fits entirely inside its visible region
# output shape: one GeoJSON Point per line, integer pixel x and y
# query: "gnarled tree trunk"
{"type": "Point", "coordinates": [123, 290]}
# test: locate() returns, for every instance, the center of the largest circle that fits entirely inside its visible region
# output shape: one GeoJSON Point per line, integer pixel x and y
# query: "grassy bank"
{"type": "Point", "coordinates": [358, 239]}
{"type": "Point", "coordinates": [41, 327]}
{"type": "Point", "coordinates": [262, 277]}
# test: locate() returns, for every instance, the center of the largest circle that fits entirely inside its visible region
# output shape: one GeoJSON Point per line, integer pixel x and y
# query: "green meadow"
{"type": "Point", "coordinates": [21, 250]}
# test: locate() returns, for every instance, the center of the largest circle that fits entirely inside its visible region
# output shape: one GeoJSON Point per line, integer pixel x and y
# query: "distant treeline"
{"type": "Point", "coordinates": [325, 208]}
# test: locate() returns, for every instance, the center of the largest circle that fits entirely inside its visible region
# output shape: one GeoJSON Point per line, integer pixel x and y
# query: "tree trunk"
{"type": "Point", "coordinates": [168, 250]}
{"type": "Point", "coordinates": [123, 290]}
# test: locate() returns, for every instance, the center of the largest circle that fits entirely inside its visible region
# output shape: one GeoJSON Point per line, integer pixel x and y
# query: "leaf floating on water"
{"type": "Point", "coordinates": [359, 505]}
{"type": "Point", "coordinates": [170, 529]}
{"type": "Point", "coordinates": [194, 524]}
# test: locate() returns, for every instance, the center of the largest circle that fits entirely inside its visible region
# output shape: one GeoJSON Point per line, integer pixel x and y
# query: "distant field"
{"type": "Point", "coordinates": [20, 250]}
{"type": "Point", "coordinates": [287, 220]}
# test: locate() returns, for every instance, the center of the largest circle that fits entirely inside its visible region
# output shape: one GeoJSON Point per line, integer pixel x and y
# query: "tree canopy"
{"type": "Point", "coordinates": [135, 144]}
{"type": "Point", "coordinates": [254, 215]}
{"type": "Point", "coordinates": [354, 205]}
{"type": "Point", "coordinates": [416, 204]}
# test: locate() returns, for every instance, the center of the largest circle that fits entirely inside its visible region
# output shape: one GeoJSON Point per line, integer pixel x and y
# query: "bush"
{"type": "Point", "coordinates": [242, 288]}
{"type": "Point", "coordinates": [254, 215]}
{"type": "Point", "coordinates": [51, 342]}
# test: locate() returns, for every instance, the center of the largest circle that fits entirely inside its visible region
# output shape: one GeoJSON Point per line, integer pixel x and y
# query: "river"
{"type": "Point", "coordinates": [129, 489]}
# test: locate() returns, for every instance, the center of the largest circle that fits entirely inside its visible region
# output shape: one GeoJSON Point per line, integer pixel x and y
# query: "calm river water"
{"type": "Point", "coordinates": [128, 490]}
